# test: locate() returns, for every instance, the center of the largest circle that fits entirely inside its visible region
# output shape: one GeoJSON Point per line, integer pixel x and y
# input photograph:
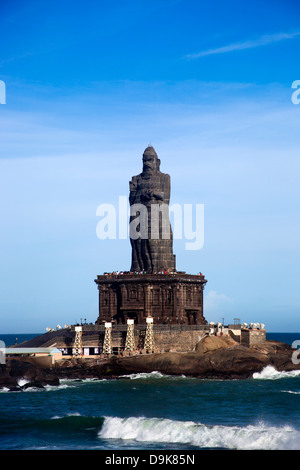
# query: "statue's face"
{"type": "Point", "coordinates": [149, 162]}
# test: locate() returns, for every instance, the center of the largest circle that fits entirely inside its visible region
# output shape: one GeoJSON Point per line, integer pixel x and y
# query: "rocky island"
{"type": "Point", "coordinates": [151, 318]}
{"type": "Point", "coordinates": [213, 358]}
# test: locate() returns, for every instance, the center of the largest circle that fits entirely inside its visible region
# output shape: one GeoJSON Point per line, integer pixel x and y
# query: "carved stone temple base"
{"type": "Point", "coordinates": [173, 298]}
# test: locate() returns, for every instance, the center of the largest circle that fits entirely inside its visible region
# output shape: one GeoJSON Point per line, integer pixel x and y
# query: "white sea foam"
{"type": "Point", "coordinates": [53, 388]}
{"type": "Point", "coordinates": [47, 388]}
{"type": "Point", "coordinates": [145, 375]}
{"type": "Point", "coordinates": [153, 375]}
{"type": "Point", "coordinates": [33, 389]}
{"type": "Point", "coordinates": [67, 415]}
{"type": "Point", "coordinates": [72, 383]}
{"type": "Point", "coordinates": [22, 382]}
{"type": "Point", "coordinates": [94, 379]}
{"type": "Point", "coordinates": [270, 373]}
{"type": "Point", "coordinates": [251, 437]}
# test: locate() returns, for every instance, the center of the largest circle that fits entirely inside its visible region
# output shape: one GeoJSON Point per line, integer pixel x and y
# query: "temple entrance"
{"type": "Point", "coordinates": [136, 315]}
{"type": "Point", "coordinates": [192, 316]}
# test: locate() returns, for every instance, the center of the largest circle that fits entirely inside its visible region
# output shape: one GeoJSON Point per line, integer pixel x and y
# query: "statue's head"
{"type": "Point", "coordinates": [150, 160]}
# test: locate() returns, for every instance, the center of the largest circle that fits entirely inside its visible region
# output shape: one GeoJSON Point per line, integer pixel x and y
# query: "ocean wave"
{"type": "Point", "coordinates": [144, 375]}
{"type": "Point", "coordinates": [71, 422]}
{"type": "Point", "coordinates": [21, 382]}
{"type": "Point", "coordinates": [47, 388]}
{"type": "Point", "coordinates": [68, 415]}
{"type": "Point", "coordinates": [75, 382]}
{"type": "Point", "coordinates": [64, 384]}
{"type": "Point", "coordinates": [251, 437]}
{"type": "Point", "coordinates": [152, 375]}
{"type": "Point", "coordinates": [59, 425]}
{"type": "Point", "coordinates": [270, 373]}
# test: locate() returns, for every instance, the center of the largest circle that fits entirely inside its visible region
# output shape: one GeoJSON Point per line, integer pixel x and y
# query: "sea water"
{"type": "Point", "coordinates": [154, 411]}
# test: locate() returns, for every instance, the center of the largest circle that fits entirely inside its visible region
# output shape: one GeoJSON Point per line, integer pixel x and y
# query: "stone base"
{"type": "Point", "coordinates": [171, 298]}
{"type": "Point", "coordinates": [167, 338]}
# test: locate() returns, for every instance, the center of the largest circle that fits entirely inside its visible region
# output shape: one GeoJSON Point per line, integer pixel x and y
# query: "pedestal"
{"type": "Point", "coordinates": [175, 298]}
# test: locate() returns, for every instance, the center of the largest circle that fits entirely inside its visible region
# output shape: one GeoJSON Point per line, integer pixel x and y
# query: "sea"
{"type": "Point", "coordinates": [155, 412]}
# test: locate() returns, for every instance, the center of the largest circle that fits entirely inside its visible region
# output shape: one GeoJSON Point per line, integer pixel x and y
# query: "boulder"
{"type": "Point", "coordinates": [211, 343]}
{"type": "Point", "coordinates": [21, 369]}
{"type": "Point", "coordinates": [35, 376]}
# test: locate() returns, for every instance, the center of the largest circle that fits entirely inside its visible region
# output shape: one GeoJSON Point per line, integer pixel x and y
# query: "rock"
{"type": "Point", "coordinates": [210, 360]}
{"type": "Point", "coordinates": [34, 384]}
{"type": "Point", "coordinates": [35, 375]}
{"type": "Point", "coordinates": [52, 380]}
{"type": "Point", "coordinates": [214, 358]}
{"type": "Point", "coordinates": [236, 362]}
{"type": "Point", "coordinates": [21, 369]}
{"type": "Point", "coordinates": [211, 343]}
{"type": "Point", "coordinates": [6, 381]}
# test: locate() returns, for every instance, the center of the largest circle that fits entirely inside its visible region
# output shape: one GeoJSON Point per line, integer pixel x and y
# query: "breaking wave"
{"type": "Point", "coordinates": [251, 437]}
{"type": "Point", "coordinates": [270, 373]}
{"type": "Point", "coordinates": [144, 375]}
{"type": "Point", "coordinates": [152, 375]}
{"type": "Point", "coordinates": [21, 382]}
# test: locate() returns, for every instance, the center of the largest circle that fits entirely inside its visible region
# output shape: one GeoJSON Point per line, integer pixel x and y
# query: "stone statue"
{"type": "Point", "coordinates": [150, 229]}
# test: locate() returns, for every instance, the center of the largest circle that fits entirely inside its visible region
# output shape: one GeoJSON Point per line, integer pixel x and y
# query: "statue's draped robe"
{"type": "Point", "coordinates": [153, 250]}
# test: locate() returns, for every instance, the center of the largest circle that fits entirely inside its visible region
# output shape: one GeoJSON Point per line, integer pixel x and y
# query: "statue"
{"type": "Point", "coordinates": [151, 237]}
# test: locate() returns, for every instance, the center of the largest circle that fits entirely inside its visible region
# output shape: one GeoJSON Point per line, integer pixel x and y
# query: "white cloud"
{"type": "Point", "coordinates": [214, 303]}
{"type": "Point", "coordinates": [262, 41]}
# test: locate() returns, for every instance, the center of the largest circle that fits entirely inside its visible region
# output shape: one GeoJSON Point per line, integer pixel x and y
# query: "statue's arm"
{"type": "Point", "coordinates": [147, 195]}
{"type": "Point", "coordinates": [132, 190]}
{"type": "Point", "coordinates": [162, 195]}
{"type": "Point", "coordinates": [158, 195]}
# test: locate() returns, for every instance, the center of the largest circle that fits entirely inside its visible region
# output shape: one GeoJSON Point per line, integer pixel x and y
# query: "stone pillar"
{"type": "Point", "coordinates": [180, 313]}
{"type": "Point", "coordinates": [111, 301]}
{"type": "Point", "coordinates": [174, 310]}
{"type": "Point", "coordinates": [147, 300]}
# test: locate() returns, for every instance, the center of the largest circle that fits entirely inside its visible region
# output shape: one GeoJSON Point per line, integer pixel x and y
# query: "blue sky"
{"type": "Point", "coordinates": [88, 87]}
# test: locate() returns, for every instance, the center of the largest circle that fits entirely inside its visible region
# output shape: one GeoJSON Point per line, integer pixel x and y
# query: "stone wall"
{"type": "Point", "coordinates": [166, 338]}
{"type": "Point", "coordinates": [252, 337]}
{"type": "Point", "coordinates": [182, 341]}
